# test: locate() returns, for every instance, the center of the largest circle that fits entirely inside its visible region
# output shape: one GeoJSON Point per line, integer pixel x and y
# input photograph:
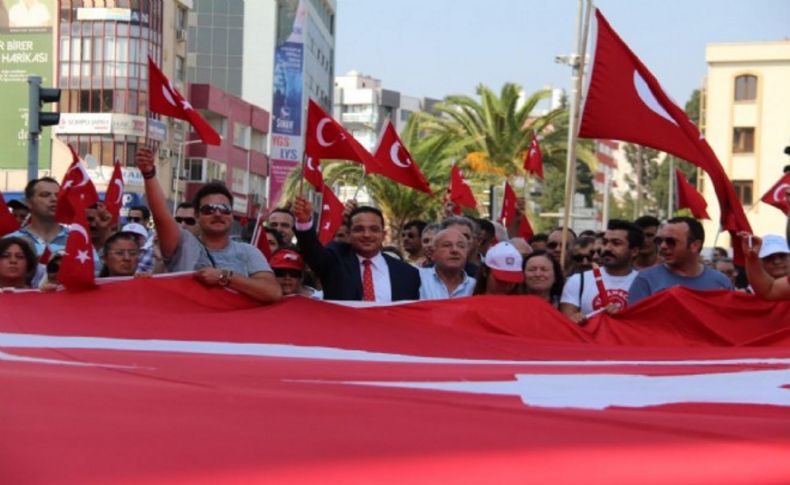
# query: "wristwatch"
{"type": "Point", "coordinates": [224, 277]}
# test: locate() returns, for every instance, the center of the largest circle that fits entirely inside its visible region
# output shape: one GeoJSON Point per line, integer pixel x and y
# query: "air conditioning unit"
{"type": "Point", "coordinates": [181, 35]}
{"type": "Point", "coordinates": [165, 153]}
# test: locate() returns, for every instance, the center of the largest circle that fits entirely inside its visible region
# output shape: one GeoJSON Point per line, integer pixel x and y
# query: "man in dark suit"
{"type": "Point", "coordinates": [356, 270]}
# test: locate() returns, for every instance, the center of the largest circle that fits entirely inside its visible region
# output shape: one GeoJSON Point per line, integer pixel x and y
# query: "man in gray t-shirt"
{"type": "Point", "coordinates": [216, 259]}
{"type": "Point", "coordinates": [679, 243]}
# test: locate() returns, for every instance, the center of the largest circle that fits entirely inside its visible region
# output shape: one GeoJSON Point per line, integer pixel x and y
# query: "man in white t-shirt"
{"type": "Point", "coordinates": [581, 297]}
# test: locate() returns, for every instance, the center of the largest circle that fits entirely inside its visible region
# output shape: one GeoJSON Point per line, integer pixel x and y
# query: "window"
{"type": "Point", "coordinates": [193, 169]}
{"type": "Point", "coordinates": [746, 88]}
{"type": "Point", "coordinates": [258, 141]}
{"type": "Point", "coordinates": [241, 135]}
{"type": "Point", "coordinates": [743, 140]}
{"type": "Point", "coordinates": [743, 188]}
{"type": "Point", "coordinates": [180, 69]}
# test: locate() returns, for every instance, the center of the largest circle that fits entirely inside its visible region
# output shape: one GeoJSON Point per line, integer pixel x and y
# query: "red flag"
{"type": "Point", "coordinates": [331, 215]}
{"type": "Point", "coordinates": [626, 102]}
{"type": "Point", "coordinates": [113, 198]}
{"type": "Point", "coordinates": [76, 268]}
{"type": "Point", "coordinates": [533, 159]}
{"type": "Point", "coordinates": [8, 222]}
{"type": "Point", "coordinates": [259, 239]}
{"type": "Point", "coordinates": [164, 98]}
{"type": "Point", "coordinates": [460, 193]}
{"type": "Point", "coordinates": [525, 228]}
{"type": "Point", "coordinates": [76, 188]}
{"type": "Point", "coordinates": [327, 139]}
{"type": "Point", "coordinates": [776, 194]}
{"type": "Point", "coordinates": [508, 213]}
{"type": "Point", "coordinates": [689, 198]}
{"type": "Point", "coordinates": [45, 256]}
{"type": "Point", "coordinates": [312, 172]}
{"type": "Point", "coordinates": [395, 162]}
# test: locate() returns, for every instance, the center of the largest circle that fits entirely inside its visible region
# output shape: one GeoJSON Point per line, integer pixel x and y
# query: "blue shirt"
{"type": "Point", "coordinates": [40, 245]}
{"type": "Point", "coordinates": [657, 278]}
{"type": "Point", "coordinates": [433, 288]}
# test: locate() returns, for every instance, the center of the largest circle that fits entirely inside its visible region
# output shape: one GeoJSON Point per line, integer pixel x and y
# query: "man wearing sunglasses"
{"type": "Point", "coordinates": [580, 296]}
{"type": "Point", "coordinates": [216, 259]}
{"type": "Point", "coordinates": [185, 217]}
{"type": "Point", "coordinates": [679, 243]}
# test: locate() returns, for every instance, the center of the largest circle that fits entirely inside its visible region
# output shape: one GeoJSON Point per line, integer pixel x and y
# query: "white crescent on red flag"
{"type": "Point", "coordinates": [164, 98]}
{"type": "Point", "coordinates": [625, 102]}
{"type": "Point", "coordinates": [533, 159]}
{"type": "Point", "coordinates": [460, 193]}
{"type": "Point", "coordinates": [76, 188]}
{"type": "Point", "coordinates": [191, 384]}
{"type": "Point", "coordinates": [396, 163]}
{"type": "Point", "coordinates": [113, 197]}
{"type": "Point", "coordinates": [312, 172]}
{"type": "Point", "coordinates": [8, 222]}
{"type": "Point", "coordinates": [326, 139]}
{"type": "Point", "coordinates": [689, 198]}
{"type": "Point", "coordinates": [508, 213]}
{"type": "Point", "coordinates": [77, 267]}
{"type": "Point", "coordinates": [331, 215]}
{"type": "Point", "coordinates": [776, 195]}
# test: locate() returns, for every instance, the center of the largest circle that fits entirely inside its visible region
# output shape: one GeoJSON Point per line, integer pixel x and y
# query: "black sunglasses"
{"type": "Point", "coordinates": [670, 241]}
{"type": "Point", "coordinates": [553, 245]}
{"type": "Point", "coordinates": [209, 209]}
{"type": "Point", "coordinates": [282, 273]}
{"type": "Point", "coordinates": [581, 257]}
{"type": "Point", "coordinates": [189, 221]}
{"type": "Point", "coordinates": [135, 219]}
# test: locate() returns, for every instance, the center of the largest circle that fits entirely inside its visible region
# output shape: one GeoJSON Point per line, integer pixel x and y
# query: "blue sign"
{"type": "Point", "coordinates": [287, 101]}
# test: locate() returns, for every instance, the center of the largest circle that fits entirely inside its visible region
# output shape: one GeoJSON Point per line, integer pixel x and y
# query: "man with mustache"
{"type": "Point", "coordinates": [679, 243]}
{"type": "Point", "coordinates": [580, 296]}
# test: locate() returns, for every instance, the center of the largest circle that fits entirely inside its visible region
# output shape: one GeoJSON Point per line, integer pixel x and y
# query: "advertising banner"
{"type": "Point", "coordinates": [25, 49]}
{"type": "Point", "coordinates": [278, 172]}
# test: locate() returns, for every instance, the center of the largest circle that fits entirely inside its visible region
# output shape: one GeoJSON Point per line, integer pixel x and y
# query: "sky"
{"type": "Point", "coordinates": [438, 47]}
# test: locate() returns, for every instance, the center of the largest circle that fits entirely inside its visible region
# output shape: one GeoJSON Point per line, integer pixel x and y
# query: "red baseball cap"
{"type": "Point", "coordinates": [287, 259]}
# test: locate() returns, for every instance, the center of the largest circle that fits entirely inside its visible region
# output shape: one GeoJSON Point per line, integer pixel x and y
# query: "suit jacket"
{"type": "Point", "coordinates": [337, 266]}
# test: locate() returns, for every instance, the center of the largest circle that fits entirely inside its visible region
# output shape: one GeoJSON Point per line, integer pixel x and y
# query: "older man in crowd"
{"type": "Point", "coordinates": [447, 278]}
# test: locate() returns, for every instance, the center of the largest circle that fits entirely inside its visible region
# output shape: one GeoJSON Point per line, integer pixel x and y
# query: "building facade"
{"type": "Point", "coordinates": [747, 124]}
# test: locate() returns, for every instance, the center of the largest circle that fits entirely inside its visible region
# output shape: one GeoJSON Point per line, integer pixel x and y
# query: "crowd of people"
{"type": "Point", "coordinates": [455, 257]}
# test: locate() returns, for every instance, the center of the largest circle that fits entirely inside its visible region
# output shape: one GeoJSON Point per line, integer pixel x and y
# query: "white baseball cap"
{"type": "Point", "coordinates": [136, 228]}
{"type": "Point", "coordinates": [505, 262]}
{"type": "Point", "coordinates": [773, 244]}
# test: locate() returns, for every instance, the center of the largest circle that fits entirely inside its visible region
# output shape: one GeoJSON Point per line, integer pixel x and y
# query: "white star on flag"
{"type": "Point", "coordinates": [82, 256]}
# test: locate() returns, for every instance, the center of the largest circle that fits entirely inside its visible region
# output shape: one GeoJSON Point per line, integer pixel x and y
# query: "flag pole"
{"type": "Point", "coordinates": [671, 192]}
{"type": "Point", "coordinates": [577, 78]}
{"type": "Point", "coordinates": [301, 179]}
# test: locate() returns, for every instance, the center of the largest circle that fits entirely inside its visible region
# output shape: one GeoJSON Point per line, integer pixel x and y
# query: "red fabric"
{"type": "Point", "coordinates": [602, 293]}
{"type": "Point", "coordinates": [76, 189]}
{"type": "Point", "coordinates": [326, 139]}
{"type": "Point", "coordinates": [259, 239]}
{"type": "Point", "coordinates": [76, 267]}
{"type": "Point", "coordinates": [113, 198]}
{"type": "Point", "coordinates": [331, 215]}
{"type": "Point", "coordinates": [368, 291]}
{"type": "Point", "coordinates": [8, 222]}
{"type": "Point", "coordinates": [689, 198]}
{"type": "Point", "coordinates": [460, 193]}
{"type": "Point", "coordinates": [776, 194]}
{"type": "Point", "coordinates": [45, 256]}
{"type": "Point", "coordinates": [219, 389]}
{"type": "Point", "coordinates": [533, 159]}
{"type": "Point", "coordinates": [626, 102]}
{"type": "Point", "coordinates": [525, 228]}
{"type": "Point", "coordinates": [164, 98]}
{"type": "Point", "coordinates": [312, 172]}
{"type": "Point", "coordinates": [508, 212]}
{"type": "Point", "coordinates": [395, 162]}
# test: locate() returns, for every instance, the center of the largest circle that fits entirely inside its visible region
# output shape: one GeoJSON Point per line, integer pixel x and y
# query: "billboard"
{"type": "Point", "coordinates": [26, 28]}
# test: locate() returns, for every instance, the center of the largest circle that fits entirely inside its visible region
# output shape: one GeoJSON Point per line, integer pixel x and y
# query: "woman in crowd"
{"type": "Point", "coordinates": [121, 254]}
{"type": "Point", "coordinates": [544, 277]}
{"type": "Point", "coordinates": [500, 272]}
{"type": "Point", "coordinates": [274, 239]}
{"type": "Point", "coordinates": [18, 263]}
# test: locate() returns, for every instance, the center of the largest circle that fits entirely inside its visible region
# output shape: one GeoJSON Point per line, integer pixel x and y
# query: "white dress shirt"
{"type": "Point", "coordinates": [381, 277]}
{"type": "Point", "coordinates": [433, 288]}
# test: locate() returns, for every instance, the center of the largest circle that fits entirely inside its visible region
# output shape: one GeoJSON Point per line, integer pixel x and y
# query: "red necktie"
{"type": "Point", "coordinates": [368, 293]}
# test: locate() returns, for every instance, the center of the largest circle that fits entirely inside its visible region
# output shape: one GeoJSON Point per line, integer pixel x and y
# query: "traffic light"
{"type": "Point", "coordinates": [38, 119]}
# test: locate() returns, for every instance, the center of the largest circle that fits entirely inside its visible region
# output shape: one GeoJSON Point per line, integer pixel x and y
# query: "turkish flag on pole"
{"type": "Point", "coordinates": [395, 162]}
{"type": "Point", "coordinates": [312, 172]}
{"type": "Point", "coordinates": [331, 215]}
{"type": "Point", "coordinates": [76, 268]}
{"type": "Point", "coordinates": [164, 98]}
{"type": "Point", "coordinates": [8, 222]}
{"type": "Point", "coordinates": [76, 188]}
{"type": "Point", "coordinates": [689, 198]}
{"type": "Point", "coordinates": [460, 193]}
{"type": "Point", "coordinates": [259, 239]}
{"type": "Point", "coordinates": [113, 198]}
{"type": "Point", "coordinates": [625, 102]}
{"type": "Point", "coordinates": [776, 194]}
{"type": "Point", "coordinates": [508, 212]}
{"type": "Point", "coordinates": [533, 159]}
{"type": "Point", "coordinates": [327, 139]}
{"type": "Point", "coordinates": [525, 228]}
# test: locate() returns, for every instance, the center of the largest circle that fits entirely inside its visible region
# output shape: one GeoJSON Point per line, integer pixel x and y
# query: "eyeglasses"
{"type": "Point", "coordinates": [189, 221]}
{"type": "Point", "coordinates": [209, 209]}
{"type": "Point", "coordinates": [135, 219]}
{"type": "Point", "coordinates": [119, 253]}
{"type": "Point", "coordinates": [671, 242]}
{"type": "Point", "coordinates": [553, 245]}
{"type": "Point", "coordinates": [581, 257]}
{"type": "Point", "coordinates": [282, 273]}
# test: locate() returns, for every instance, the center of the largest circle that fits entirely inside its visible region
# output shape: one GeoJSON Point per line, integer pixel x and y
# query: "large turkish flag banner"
{"type": "Point", "coordinates": [185, 384]}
